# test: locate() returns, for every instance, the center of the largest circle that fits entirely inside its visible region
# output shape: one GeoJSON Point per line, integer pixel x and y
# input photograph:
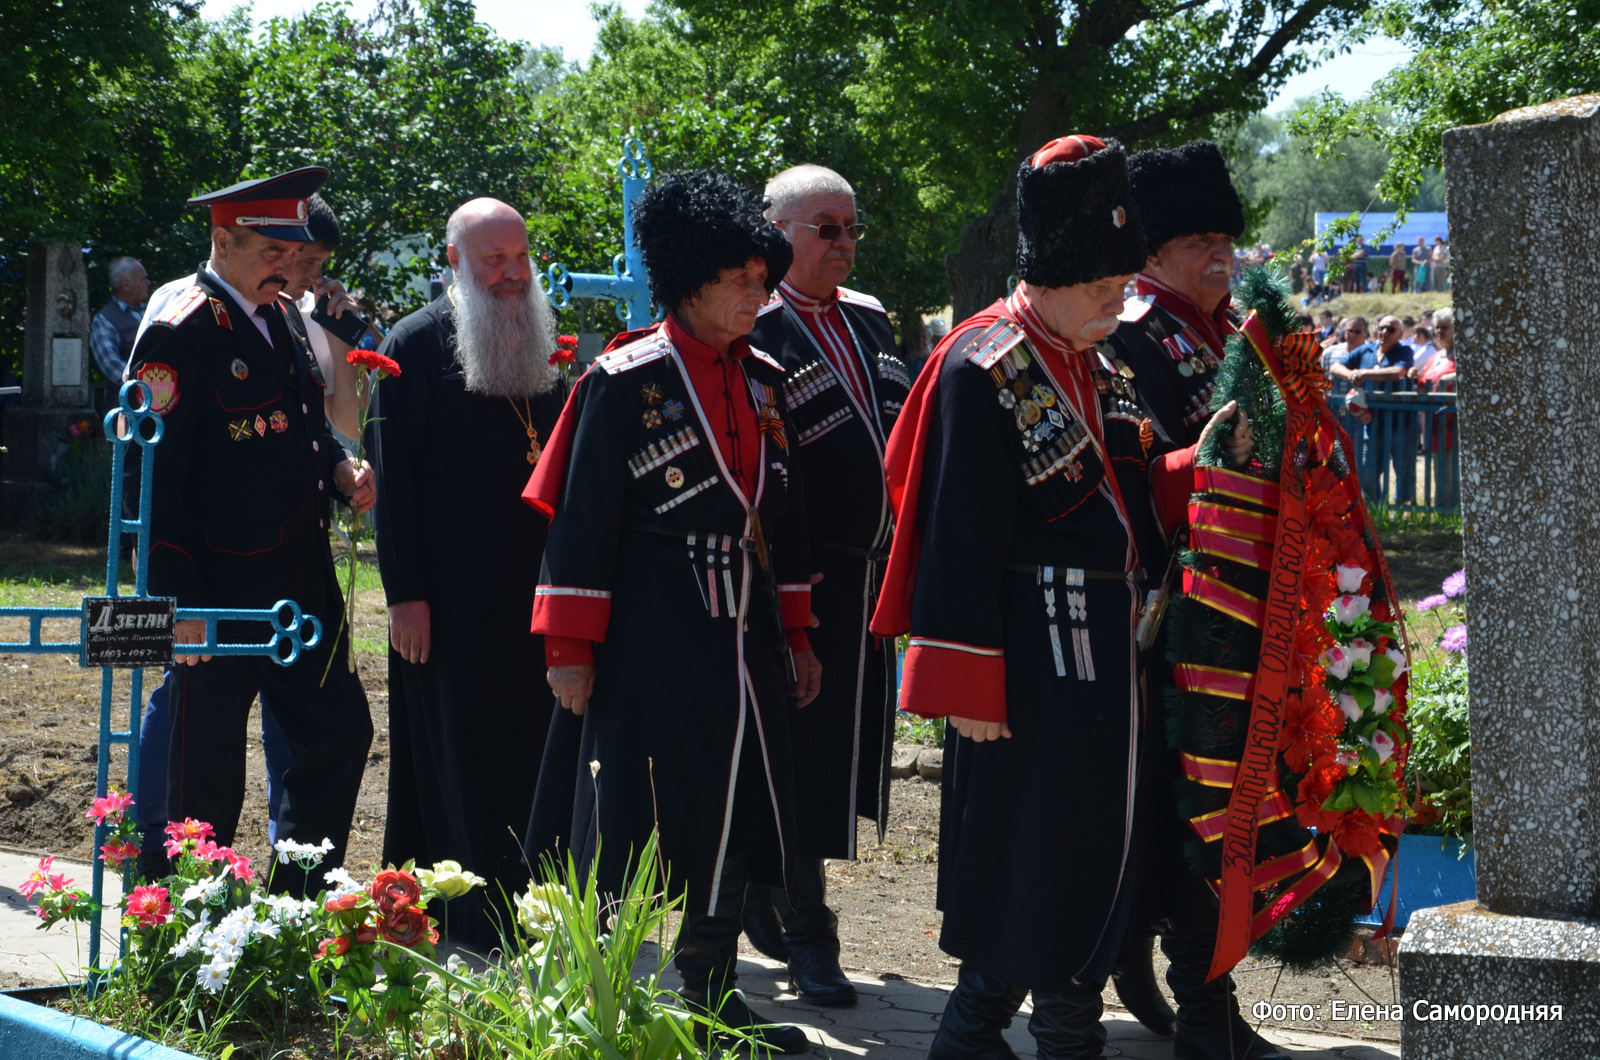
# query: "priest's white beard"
{"type": "Point", "coordinates": [503, 344]}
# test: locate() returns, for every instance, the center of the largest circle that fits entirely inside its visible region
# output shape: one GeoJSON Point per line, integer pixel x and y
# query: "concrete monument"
{"type": "Point", "coordinates": [1517, 973]}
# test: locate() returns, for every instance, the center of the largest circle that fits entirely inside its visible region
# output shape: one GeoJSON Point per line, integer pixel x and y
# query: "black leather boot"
{"type": "Point", "coordinates": [763, 920]}
{"type": "Point", "coordinates": [1134, 976]}
{"type": "Point", "coordinates": [1067, 1026]}
{"type": "Point", "coordinates": [706, 957]}
{"type": "Point", "coordinates": [976, 1017]}
{"type": "Point", "coordinates": [811, 935]}
{"type": "Point", "coordinates": [1209, 1024]}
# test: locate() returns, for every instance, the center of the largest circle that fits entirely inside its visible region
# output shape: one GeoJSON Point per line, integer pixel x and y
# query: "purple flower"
{"type": "Point", "coordinates": [1456, 584]}
{"type": "Point", "coordinates": [1454, 640]}
{"type": "Point", "coordinates": [1428, 603]}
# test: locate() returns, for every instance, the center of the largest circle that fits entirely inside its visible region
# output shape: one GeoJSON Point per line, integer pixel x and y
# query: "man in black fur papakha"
{"type": "Point", "coordinates": [1172, 335]}
{"type": "Point", "coordinates": [676, 585]}
{"type": "Point", "coordinates": [1026, 475]}
{"type": "Point", "coordinates": [844, 389]}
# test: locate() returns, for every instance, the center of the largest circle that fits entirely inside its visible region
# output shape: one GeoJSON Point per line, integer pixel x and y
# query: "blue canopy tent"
{"type": "Point", "coordinates": [1417, 225]}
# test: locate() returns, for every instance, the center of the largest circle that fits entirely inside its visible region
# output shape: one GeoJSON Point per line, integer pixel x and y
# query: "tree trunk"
{"type": "Point", "coordinates": [980, 267]}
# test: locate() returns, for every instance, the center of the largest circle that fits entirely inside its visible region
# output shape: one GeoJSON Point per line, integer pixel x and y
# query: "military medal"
{"type": "Point", "coordinates": [675, 478]}
{"type": "Point", "coordinates": [240, 370]}
{"type": "Point", "coordinates": [651, 419]}
{"type": "Point", "coordinates": [651, 394]}
{"type": "Point", "coordinates": [1043, 396]}
{"type": "Point", "coordinates": [1007, 399]}
{"type": "Point", "coordinates": [280, 422]}
{"type": "Point", "coordinates": [672, 410]}
{"type": "Point", "coordinates": [534, 449]}
{"type": "Point", "coordinates": [261, 426]}
{"type": "Point", "coordinates": [1185, 369]}
{"type": "Point", "coordinates": [239, 429]}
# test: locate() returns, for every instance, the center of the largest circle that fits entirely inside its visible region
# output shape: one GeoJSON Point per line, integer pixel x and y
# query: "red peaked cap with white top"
{"type": "Point", "coordinates": [274, 206]}
{"type": "Point", "coordinates": [1076, 218]}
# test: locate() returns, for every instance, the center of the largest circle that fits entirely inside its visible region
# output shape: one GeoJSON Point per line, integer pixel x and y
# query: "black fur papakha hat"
{"type": "Point", "coordinates": [1185, 192]}
{"type": "Point", "coordinates": [1076, 221]}
{"type": "Point", "coordinates": [692, 225]}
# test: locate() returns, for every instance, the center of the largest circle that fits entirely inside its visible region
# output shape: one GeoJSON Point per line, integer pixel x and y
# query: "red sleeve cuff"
{"type": "Point", "coordinates": [1172, 483]}
{"type": "Point", "coordinates": [568, 651]}
{"type": "Point", "coordinates": [945, 678]}
{"type": "Point", "coordinates": [798, 641]}
{"type": "Point", "coordinates": [565, 611]}
{"type": "Point", "coordinates": [794, 604]}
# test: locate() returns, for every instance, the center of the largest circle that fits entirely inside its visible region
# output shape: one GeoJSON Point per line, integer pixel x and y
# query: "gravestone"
{"type": "Point", "coordinates": [1524, 194]}
{"type": "Point", "coordinates": [55, 375]}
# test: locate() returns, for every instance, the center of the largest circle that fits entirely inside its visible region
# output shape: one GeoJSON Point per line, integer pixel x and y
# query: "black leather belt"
{"type": "Point", "coordinates": [1135, 575]}
{"type": "Point", "coordinates": [871, 555]}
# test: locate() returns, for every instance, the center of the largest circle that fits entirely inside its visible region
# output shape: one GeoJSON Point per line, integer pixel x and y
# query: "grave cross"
{"type": "Point", "coordinates": [131, 631]}
{"type": "Point", "coordinates": [626, 283]}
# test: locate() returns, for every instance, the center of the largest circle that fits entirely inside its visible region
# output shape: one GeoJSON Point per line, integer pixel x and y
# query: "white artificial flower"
{"type": "Point", "coordinates": [205, 891]}
{"type": "Point", "coordinates": [1337, 662]}
{"type": "Point", "coordinates": [214, 976]}
{"type": "Point", "coordinates": [343, 883]}
{"type": "Point", "coordinates": [1383, 744]}
{"type": "Point", "coordinates": [1349, 578]}
{"type": "Point", "coordinates": [191, 939]}
{"type": "Point", "coordinates": [1398, 657]}
{"type": "Point", "coordinates": [1361, 651]}
{"type": "Point", "coordinates": [306, 855]}
{"type": "Point", "coordinates": [1346, 609]}
{"type": "Point", "coordinates": [1382, 700]}
{"type": "Point", "coordinates": [1351, 708]}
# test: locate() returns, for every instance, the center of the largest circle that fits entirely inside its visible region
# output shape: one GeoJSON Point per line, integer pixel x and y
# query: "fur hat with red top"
{"type": "Point", "coordinates": [274, 206]}
{"type": "Point", "coordinates": [1076, 219]}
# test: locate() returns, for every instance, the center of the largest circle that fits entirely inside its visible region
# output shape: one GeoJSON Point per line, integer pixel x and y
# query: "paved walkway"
{"type": "Point", "coordinates": [895, 1020]}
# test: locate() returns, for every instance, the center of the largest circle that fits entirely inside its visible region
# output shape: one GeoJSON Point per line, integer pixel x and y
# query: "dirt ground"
{"type": "Point", "coordinates": [49, 723]}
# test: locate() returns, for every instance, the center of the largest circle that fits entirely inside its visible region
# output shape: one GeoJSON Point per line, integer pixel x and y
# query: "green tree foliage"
{"type": "Point", "coordinates": [1286, 183]}
{"type": "Point", "coordinates": [1473, 59]}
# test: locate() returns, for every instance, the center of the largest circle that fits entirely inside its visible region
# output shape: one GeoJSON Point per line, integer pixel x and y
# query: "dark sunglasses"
{"type": "Point", "coordinates": [828, 233]}
{"type": "Point", "coordinates": [1387, 327]}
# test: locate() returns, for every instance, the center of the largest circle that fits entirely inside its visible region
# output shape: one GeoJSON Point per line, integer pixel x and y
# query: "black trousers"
{"type": "Point", "coordinates": [328, 728]}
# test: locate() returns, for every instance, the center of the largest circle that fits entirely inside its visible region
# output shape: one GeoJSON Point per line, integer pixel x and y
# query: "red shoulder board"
{"type": "Point", "coordinates": [183, 306]}
{"type": "Point", "coordinates": [994, 342]}
{"type": "Point", "coordinates": [622, 339]}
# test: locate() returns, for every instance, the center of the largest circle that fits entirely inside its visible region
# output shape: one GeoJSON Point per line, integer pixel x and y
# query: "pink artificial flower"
{"type": "Point", "coordinates": [1349, 759]}
{"type": "Point", "coordinates": [59, 881]}
{"type": "Point", "coordinates": [185, 832]}
{"type": "Point", "coordinates": [1401, 663]}
{"type": "Point", "coordinates": [1348, 608]}
{"type": "Point", "coordinates": [1349, 577]}
{"type": "Point", "coordinates": [238, 864]}
{"type": "Point", "coordinates": [1350, 706]}
{"type": "Point", "coordinates": [207, 850]}
{"type": "Point", "coordinates": [116, 852]}
{"type": "Point", "coordinates": [1382, 700]}
{"type": "Point", "coordinates": [1383, 744]}
{"type": "Point", "coordinates": [149, 906]}
{"type": "Point", "coordinates": [39, 879]}
{"type": "Point", "coordinates": [110, 805]}
{"type": "Point", "coordinates": [1361, 650]}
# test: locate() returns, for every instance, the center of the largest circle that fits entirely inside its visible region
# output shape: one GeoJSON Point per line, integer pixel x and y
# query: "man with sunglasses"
{"type": "Point", "coordinates": [1391, 437]}
{"type": "Point", "coordinates": [844, 389]}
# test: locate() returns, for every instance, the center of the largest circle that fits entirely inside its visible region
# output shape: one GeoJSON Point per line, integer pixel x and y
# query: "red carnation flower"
{"type": "Point", "coordinates": [372, 359]}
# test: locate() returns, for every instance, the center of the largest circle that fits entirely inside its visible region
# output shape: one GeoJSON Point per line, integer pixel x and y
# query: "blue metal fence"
{"type": "Point", "coordinates": [1408, 455]}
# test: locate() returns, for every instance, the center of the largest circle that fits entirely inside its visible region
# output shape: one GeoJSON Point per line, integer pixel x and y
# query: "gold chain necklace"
{"type": "Point", "coordinates": [534, 449]}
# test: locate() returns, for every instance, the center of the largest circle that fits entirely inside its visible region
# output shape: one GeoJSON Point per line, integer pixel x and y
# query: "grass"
{"type": "Point", "coordinates": [1373, 306]}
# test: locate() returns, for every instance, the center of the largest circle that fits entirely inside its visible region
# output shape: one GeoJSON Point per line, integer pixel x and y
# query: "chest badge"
{"type": "Point", "coordinates": [239, 430]}
{"type": "Point", "coordinates": [672, 410]}
{"type": "Point", "coordinates": [675, 478]}
{"type": "Point", "coordinates": [651, 394]}
{"type": "Point", "coordinates": [163, 383]}
{"type": "Point", "coordinates": [280, 421]}
{"type": "Point", "coordinates": [651, 419]}
{"type": "Point", "coordinates": [240, 370]}
{"type": "Point", "coordinates": [261, 426]}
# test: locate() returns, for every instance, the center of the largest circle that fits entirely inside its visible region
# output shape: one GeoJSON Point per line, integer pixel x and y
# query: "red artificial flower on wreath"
{"type": "Point", "coordinates": [333, 947]}
{"type": "Point", "coordinates": [1309, 732]}
{"type": "Point", "coordinates": [374, 361]}
{"type": "Point", "coordinates": [395, 890]}
{"type": "Point", "coordinates": [408, 927]}
{"type": "Point", "coordinates": [1359, 834]}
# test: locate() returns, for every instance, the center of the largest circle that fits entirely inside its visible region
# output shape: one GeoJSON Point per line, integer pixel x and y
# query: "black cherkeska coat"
{"type": "Point", "coordinates": [843, 740]}
{"type": "Point", "coordinates": [239, 519]}
{"type": "Point", "coordinates": [467, 727]}
{"type": "Point", "coordinates": [1022, 606]}
{"type": "Point", "coordinates": [650, 540]}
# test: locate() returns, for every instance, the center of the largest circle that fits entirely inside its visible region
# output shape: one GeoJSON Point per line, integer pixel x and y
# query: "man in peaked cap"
{"type": "Point", "coordinates": [1172, 336]}
{"type": "Point", "coordinates": [1023, 470]}
{"type": "Point", "coordinates": [240, 500]}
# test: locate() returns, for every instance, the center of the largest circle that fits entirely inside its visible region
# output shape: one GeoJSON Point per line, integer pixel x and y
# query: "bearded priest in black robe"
{"type": "Point", "coordinates": [676, 585]}
{"type": "Point", "coordinates": [844, 390]}
{"type": "Point", "coordinates": [1026, 474]}
{"type": "Point", "coordinates": [456, 434]}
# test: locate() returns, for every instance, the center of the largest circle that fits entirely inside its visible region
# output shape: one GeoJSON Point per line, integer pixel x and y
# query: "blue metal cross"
{"type": "Point", "coordinates": [292, 633]}
{"type": "Point", "coordinates": [626, 285]}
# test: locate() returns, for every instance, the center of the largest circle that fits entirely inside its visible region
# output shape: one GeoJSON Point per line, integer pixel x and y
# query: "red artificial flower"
{"type": "Point", "coordinates": [408, 927]}
{"type": "Point", "coordinates": [207, 850]}
{"type": "Point", "coordinates": [367, 933]}
{"type": "Point", "coordinates": [116, 852]}
{"type": "Point", "coordinates": [238, 864]}
{"type": "Point", "coordinates": [149, 906]}
{"type": "Point", "coordinates": [342, 904]}
{"type": "Point", "coordinates": [372, 359]}
{"type": "Point", "coordinates": [333, 947]}
{"type": "Point", "coordinates": [184, 832]}
{"type": "Point", "coordinates": [1308, 730]}
{"type": "Point", "coordinates": [395, 890]}
{"type": "Point", "coordinates": [567, 342]}
{"type": "Point", "coordinates": [110, 805]}
{"type": "Point", "coordinates": [1359, 834]}
{"type": "Point", "coordinates": [563, 356]}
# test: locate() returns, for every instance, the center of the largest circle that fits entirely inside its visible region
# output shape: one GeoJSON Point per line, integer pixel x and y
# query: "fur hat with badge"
{"type": "Point", "coordinates": [692, 225]}
{"type": "Point", "coordinates": [1076, 219]}
{"type": "Point", "coordinates": [1185, 192]}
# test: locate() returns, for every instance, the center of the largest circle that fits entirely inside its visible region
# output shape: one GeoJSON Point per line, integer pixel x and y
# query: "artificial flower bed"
{"type": "Point", "coordinates": [211, 947]}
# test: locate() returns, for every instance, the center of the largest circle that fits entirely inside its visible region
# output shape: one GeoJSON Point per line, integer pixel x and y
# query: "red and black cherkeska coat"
{"type": "Point", "coordinates": [657, 526]}
{"type": "Point", "coordinates": [1175, 348]}
{"type": "Point", "coordinates": [844, 390]}
{"type": "Point", "coordinates": [1021, 470]}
